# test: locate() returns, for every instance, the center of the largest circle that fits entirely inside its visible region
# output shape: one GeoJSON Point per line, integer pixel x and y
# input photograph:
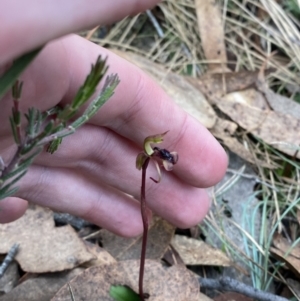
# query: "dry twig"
{"type": "Point", "coordinates": [229, 284]}
{"type": "Point", "coordinates": [8, 259]}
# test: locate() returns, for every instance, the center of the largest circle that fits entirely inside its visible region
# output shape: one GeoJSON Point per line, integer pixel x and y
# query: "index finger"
{"type": "Point", "coordinates": [139, 108]}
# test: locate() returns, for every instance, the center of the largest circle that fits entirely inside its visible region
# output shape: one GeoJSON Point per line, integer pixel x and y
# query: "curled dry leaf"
{"type": "Point", "coordinates": [174, 283]}
{"type": "Point", "coordinates": [197, 252]}
{"type": "Point", "coordinates": [43, 247]}
{"type": "Point", "coordinates": [159, 236]}
{"type": "Point", "coordinates": [177, 87]}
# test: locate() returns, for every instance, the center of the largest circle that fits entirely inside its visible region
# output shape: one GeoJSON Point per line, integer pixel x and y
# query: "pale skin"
{"type": "Point", "coordinates": [93, 172]}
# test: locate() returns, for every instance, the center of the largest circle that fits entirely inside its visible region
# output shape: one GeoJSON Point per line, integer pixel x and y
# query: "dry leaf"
{"type": "Point", "coordinates": [172, 257]}
{"type": "Point", "coordinates": [175, 283]}
{"type": "Point", "coordinates": [41, 288]}
{"type": "Point", "coordinates": [43, 247]}
{"type": "Point", "coordinates": [101, 256]}
{"type": "Point", "coordinates": [251, 97]}
{"type": "Point", "coordinates": [218, 84]}
{"type": "Point", "coordinates": [212, 33]}
{"type": "Point", "coordinates": [159, 236]}
{"type": "Point", "coordinates": [197, 252]}
{"type": "Point", "coordinates": [277, 129]}
{"type": "Point", "coordinates": [249, 110]}
{"type": "Point", "coordinates": [277, 102]}
{"type": "Point", "coordinates": [282, 104]}
{"type": "Point", "coordinates": [177, 87]}
{"type": "Point", "coordinates": [285, 252]}
{"type": "Point", "coordinates": [222, 130]}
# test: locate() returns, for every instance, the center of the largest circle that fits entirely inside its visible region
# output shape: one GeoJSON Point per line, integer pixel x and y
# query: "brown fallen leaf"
{"type": "Point", "coordinates": [216, 85]}
{"type": "Point", "coordinates": [177, 87]}
{"type": "Point", "coordinates": [278, 129]}
{"type": "Point", "coordinates": [212, 33]}
{"type": "Point", "coordinates": [224, 130]}
{"type": "Point", "coordinates": [43, 247]}
{"type": "Point", "coordinates": [159, 236]}
{"type": "Point", "coordinates": [172, 257]}
{"type": "Point", "coordinates": [277, 102]}
{"type": "Point", "coordinates": [101, 256]}
{"type": "Point", "coordinates": [41, 288]}
{"type": "Point", "coordinates": [286, 252]}
{"type": "Point", "coordinates": [175, 283]}
{"type": "Point", "coordinates": [251, 97]}
{"type": "Point", "coordinates": [197, 252]}
{"type": "Point", "coordinates": [282, 104]}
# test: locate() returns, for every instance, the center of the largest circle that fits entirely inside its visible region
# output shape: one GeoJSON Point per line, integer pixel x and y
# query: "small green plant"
{"type": "Point", "coordinates": [47, 128]}
{"type": "Point", "coordinates": [123, 293]}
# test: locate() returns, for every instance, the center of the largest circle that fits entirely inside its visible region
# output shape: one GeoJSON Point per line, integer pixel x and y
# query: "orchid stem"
{"type": "Point", "coordinates": [145, 226]}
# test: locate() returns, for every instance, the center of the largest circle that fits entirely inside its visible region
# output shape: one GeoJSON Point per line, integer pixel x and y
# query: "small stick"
{"type": "Point", "coordinates": [91, 32]}
{"type": "Point", "coordinates": [66, 218]}
{"type": "Point", "coordinates": [9, 258]}
{"type": "Point", "coordinates": [155, 23]}
{"type": "Point", "coordinates": [229, 284]}
{"type": "Point", "coordinates": [71, 292]}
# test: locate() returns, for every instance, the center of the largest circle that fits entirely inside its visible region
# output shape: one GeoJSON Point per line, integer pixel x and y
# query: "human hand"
{"type": "Point", "coordinates": [93, 170]}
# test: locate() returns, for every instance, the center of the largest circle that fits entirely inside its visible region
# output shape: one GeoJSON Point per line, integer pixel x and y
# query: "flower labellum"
{"type": "Point", "coordinates": [161, 155]}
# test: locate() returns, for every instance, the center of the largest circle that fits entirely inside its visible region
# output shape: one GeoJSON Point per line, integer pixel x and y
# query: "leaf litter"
{"type": "Point", "coordinates": [247, 103]}
{"type": "Point", "coordinates": [43, 247]}
{"type": "Point", "coordinates": [159, 237]}
{"type": "Point", "coordinates": [197, 252]}
{"type": "Point", "coordinates": [162, 283]}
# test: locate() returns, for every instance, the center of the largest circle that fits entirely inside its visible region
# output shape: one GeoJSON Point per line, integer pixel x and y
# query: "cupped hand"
{"type": "Point", "coordinates": [93, 174]}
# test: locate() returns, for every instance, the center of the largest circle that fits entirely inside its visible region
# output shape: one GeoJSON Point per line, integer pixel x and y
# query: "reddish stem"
{"type": "Point", "coordinates": [145, 225]}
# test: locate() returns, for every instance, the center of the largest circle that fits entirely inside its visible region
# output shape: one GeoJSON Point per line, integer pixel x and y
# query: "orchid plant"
{"type": "Point", "coordinates": [161, 157]}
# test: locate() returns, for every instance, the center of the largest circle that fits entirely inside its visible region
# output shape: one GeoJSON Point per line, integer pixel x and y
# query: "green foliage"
{"type": "Point", "coordinates": [293, 7]}
{"type": "Point", "coordinates": [297, 97]}
{"type": "Point", "coordinates": [19, 65]}
{"type": "Point", "coordinates": [123, 293]}
{"type": "Point", "coordinates": [48, 128]}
